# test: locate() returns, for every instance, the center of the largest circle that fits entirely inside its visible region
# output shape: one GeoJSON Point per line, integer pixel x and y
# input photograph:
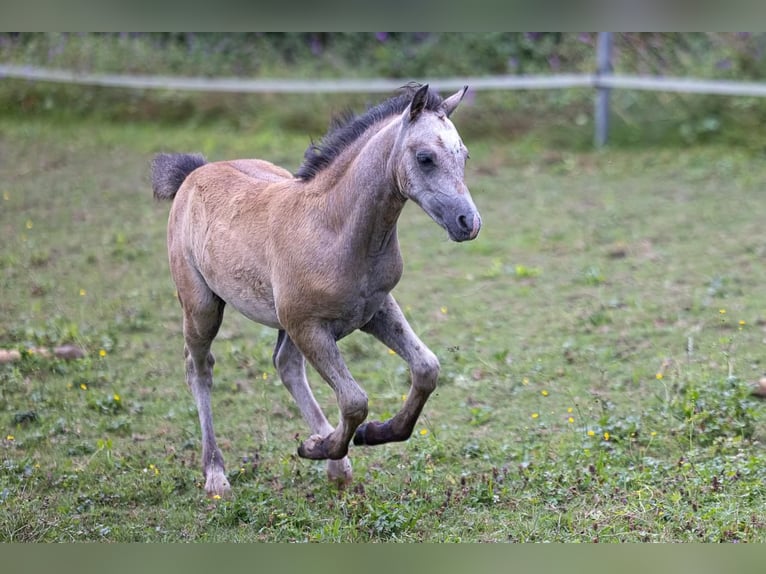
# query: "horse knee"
{"type": "Point", "coordinates": [425, 372]}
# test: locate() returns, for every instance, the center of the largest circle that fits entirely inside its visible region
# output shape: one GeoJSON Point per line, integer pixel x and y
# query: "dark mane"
{"type": "Point", "coordinates": [346, 129]}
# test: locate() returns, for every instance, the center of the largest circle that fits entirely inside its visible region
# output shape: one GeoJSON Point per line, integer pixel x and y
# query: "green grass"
{"type": "Point", "coordinates": [596, 342]}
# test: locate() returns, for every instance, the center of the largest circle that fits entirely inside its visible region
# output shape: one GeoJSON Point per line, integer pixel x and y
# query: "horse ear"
{"type": "Point", "coordinates": [451, 103]}
{"type": "Point", "coordinates": [418, 103]}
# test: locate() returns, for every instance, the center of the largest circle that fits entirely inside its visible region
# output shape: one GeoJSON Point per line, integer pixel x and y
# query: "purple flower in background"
{"type": "Point", "coordinates": [315, 44]}
{"type": "Point", "coordinates": [554, 62]}
{"type": "Point", "coordinates": [534, 36]}
{"type": "Point", "coordinates": [381, 36]}
{"type": "Point", "coordinates": [724, 64]}
{"type": "Point", "coordinates": [585, 38]}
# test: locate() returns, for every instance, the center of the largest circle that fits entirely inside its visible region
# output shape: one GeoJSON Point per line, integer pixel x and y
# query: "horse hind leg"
{"type": "Point", "coordinates": [202, 314]}
{"type": "Point", "coordinates": [291, 366]}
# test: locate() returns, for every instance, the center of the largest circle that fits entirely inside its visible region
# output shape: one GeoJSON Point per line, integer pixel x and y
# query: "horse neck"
{"type": "Point", "coordinates": [363, 197]}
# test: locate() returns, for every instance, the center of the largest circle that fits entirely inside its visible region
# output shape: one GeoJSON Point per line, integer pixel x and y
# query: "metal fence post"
{"type": "Point", "coordinates": [604, 68]}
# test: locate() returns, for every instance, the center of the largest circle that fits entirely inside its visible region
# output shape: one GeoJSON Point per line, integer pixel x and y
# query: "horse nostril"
{"type": "Point", "coordinates": [462, 221]}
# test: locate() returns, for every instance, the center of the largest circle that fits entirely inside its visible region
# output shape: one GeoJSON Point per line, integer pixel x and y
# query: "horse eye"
{"type": "Point", "coordinates": [425, 158]}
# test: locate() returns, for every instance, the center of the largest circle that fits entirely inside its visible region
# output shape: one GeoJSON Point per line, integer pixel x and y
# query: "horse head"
{"type": "Point", "coordinates": [431, 165]}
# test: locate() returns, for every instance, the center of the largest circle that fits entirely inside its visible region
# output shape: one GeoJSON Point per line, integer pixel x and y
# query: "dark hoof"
{"type": "Point", "coordinates": [313, 448]}
{"type": "Point", "coordinates": [360, 436]}
{"type": "Point", "coordinates": [373, 432]}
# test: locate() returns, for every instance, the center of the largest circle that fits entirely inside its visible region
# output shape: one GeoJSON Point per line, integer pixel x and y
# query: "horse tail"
{"type": "Point", "coordinates": [169, 170]}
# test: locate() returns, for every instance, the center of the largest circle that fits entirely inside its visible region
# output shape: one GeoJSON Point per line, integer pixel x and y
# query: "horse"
{"type": "Point", "coordinates": [315, 256]}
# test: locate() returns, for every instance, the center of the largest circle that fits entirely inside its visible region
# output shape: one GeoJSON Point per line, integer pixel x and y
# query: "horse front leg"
{"type": "Point", "coordinates": [391, 327]}
{"type": "Point", "coordinates": [317, 343]}
{"type": "Point", "coordinates": [291, 367]}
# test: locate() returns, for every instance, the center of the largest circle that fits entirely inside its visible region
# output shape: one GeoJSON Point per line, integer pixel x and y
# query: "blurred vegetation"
{"type": "Point", "coordinates": [562, 117]}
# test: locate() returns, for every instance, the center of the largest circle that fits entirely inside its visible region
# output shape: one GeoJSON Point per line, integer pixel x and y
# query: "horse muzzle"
{"type": "Point", "coordinates": [465, 228]}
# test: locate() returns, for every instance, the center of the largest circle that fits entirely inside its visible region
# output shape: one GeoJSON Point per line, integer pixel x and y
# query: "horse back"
{"type": "Point", "coordinates": [226, 189]}
{"type": "Point", "coordinates": [260, 170]}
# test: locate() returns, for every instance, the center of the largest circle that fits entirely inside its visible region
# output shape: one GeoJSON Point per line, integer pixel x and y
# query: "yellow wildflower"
{"type": "Point", "coordinates": [423, 432]}
{"type": "Point", "coordinates": [535, 415]}
{"type": "Point", "coordinates": [102, 353]}
{"type": "Point", "coordinates": [544, 393]}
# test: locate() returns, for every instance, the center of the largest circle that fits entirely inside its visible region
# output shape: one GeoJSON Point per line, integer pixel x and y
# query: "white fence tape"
{"type": "Point", "coordinates": [262, 85]}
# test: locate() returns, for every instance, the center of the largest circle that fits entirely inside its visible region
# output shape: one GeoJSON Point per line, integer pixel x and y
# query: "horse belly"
{"type": "Point", "coordinates": [254, 302]}
{"type": "Point", "coordinates": [258, 311]}
{"type": "Point", "coordinates": [247, 291]}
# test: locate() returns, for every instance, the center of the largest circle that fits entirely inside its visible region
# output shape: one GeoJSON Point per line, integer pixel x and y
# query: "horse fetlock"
{"type": "Point", "coordinates": [426, 373]}
{"type": "Point", "coordinates": [354, 409]}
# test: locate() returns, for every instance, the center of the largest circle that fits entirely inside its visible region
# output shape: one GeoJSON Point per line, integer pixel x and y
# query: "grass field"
{"type": "Point", "coordinates": [597, 343]}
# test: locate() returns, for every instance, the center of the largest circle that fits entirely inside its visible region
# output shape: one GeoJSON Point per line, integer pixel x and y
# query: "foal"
{"type": "Point", "coordinates": [315, 255]}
